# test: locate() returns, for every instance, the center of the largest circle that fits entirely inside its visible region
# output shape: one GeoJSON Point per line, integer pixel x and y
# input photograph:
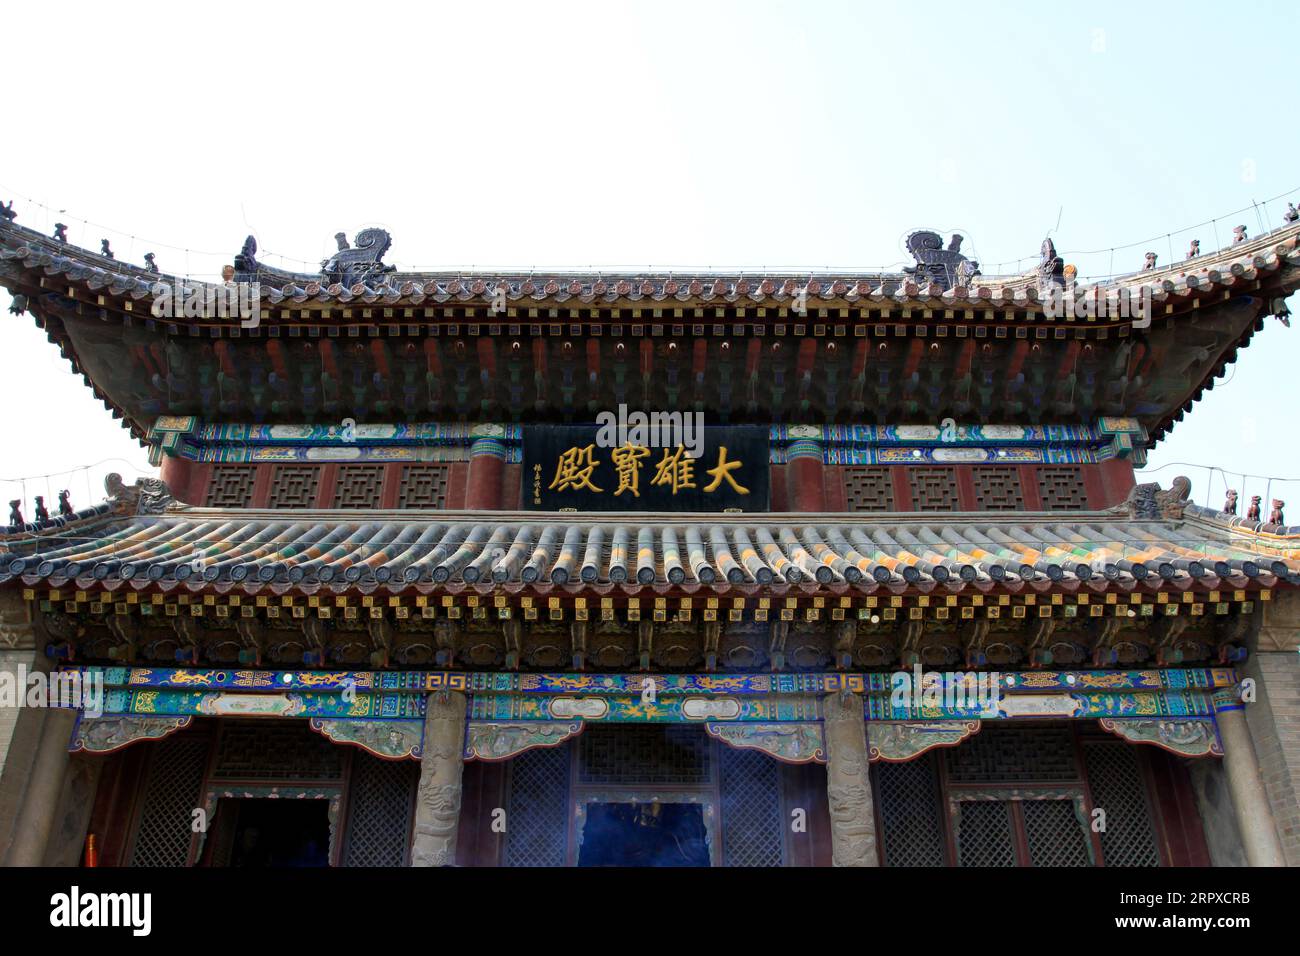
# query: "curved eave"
{"type": "Point", "coordinates": [1229, 269]}
{"type": "Point", "coordinates": [1265, 267]}
{"type": "Point", "coordinates": [275, 551]}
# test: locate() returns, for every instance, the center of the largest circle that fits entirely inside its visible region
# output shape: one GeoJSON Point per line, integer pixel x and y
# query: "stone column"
{"type": "Point", "coordinates": [437, 808]}
{"type": "Point", "coordinates": [1214, 805]}
{"type": "Point", "coordinates": [1259, 835]}
{"type": "Point", "coordinates": [21, 728]}
{"type": "Point", "coordinates": [848, 788]}
{"type": "Point", "coordinates": [76, 803]}
{"type": "Point", "coordinates": [44, 788]}
{"type": "Point", "coordinates": [17, 654]}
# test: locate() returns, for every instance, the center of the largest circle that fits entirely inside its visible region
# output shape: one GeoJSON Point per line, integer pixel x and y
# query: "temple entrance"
{"type": "Point", "coordinates": [646, 795]}
{"type": "Point", "coordinates": [265, 833]}
{"type": "Point", "coordinates": [644, 834]}
{"type": "Point", "coordinates": [270, 793]}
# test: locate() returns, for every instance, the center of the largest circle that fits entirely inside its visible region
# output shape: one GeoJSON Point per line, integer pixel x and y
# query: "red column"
{"type": "Point", "coordinates": [487, 460]}
{"type": "Point", "coordinates": [1117, 480]}
{"type": "Point", "coordinates": [805, 480]}
{"type": "Point", "coordinates": [180, 476]}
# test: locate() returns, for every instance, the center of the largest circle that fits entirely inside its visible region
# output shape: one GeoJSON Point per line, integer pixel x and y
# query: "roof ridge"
{"type": "Point", "coordinates": [1281, 241]}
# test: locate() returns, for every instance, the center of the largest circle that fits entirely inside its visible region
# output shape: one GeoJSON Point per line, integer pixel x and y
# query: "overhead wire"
{"type": "Point", "coordinates": [1259, 207]}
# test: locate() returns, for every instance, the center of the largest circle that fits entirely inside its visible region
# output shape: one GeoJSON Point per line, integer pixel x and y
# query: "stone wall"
{"type": "Point", "coordinates": [1274, 721]}
{"type": "Point", "coordinates": [1274, 718]}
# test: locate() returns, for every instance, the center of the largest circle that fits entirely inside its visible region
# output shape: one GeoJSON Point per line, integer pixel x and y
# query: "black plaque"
{"type": "Point", "coordinates": [566, 468]}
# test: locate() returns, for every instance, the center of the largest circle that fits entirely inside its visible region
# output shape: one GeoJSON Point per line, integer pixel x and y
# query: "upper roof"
{"type": "Point", "coordinates": [921, 286]}
{"type": "Point", "coordinates": [916, 346]}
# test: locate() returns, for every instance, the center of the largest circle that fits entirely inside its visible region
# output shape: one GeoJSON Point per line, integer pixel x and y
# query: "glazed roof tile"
{"type": "Point", "coordinates": [1212, 272]}
{"type": "Point", "coordinates": [202, 548]}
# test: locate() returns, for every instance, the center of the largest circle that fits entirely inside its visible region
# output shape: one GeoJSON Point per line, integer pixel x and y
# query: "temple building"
{"type": "Point", "coordinates": [656, 569]}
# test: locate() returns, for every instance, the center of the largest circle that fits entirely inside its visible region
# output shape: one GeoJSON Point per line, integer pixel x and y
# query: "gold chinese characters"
{"type": "Point", "coordinates": [575, 470]}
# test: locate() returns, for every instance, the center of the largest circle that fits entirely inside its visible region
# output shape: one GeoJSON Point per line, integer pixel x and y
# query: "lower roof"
{"type": "Point", "coordinates": [205, 548]}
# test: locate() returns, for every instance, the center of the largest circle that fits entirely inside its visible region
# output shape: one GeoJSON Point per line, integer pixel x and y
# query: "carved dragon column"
{"type": "Point", "coordinates": [848, 789]}
{"type": "Point", "coordinates": [437, 809]}
{"type": "Point", "coordinates": [1259, 834]}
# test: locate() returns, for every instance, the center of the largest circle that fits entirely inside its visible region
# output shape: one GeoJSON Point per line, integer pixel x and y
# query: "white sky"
{"type": "Point", "coordinates": [704, 135]}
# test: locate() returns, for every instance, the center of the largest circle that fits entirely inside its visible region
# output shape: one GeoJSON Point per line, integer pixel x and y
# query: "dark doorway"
{"type": "Point", "coordinates": [644, 834]}
{"type": "Point", "coordinates": [261, 833]}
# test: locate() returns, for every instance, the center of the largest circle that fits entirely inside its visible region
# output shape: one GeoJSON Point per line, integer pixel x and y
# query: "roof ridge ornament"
{"type": "Point", "coordinates": [1150, 502]}
{"type": "Point", "coordinates": [246, 262]}
{"type": "Point", "coordinates": [1051, 268]}
{"type": "Point", "coordinates": [148, 496]}
{"type": "Point", "coordinates": [350, 265]}
{"type": "Point", "coordinates": [947, 267]}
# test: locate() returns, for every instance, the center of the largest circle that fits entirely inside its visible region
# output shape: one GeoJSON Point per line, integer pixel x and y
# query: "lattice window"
{"type": "Point", "coordinates": [933, 489]}
{"type": "Point", "coordinates": [753, 825]}
{"type": "Point", "coordinates": [1054, 834]}
{"type": "Point", "coordinates": [231, 486]}
{"type": "Point", "coordinates": [1061, 488]}
{"type": "Point", "coordinates": [294, 486]}
{"type": "Point", "coordinates": [654, 754]}
{"type": "Point", "coordinates": [261, 749]}
{"type": "Point", "coordinates": [172, 793]}
{"type": "Point", "coordinates": [869, 488]}
{"type": "Point", "coordinates": [984, 834]}
{"type": "Point", "coordinates": [910, 812]}
{"type": "Point", "coordinates": [359, 486]}
{"type": "Point", "coordinates": [998, 488]}
{"type": "Point", "coordinates": [1014, 755]}
{"type": "Point", "coordinates": [423, 486]}
{"type": "Point", "coordinates": [1117, 787]}
{"type": "Point", "coordinates": [381, 801]}
{"type": "Point", "coordinates": [538, 831]}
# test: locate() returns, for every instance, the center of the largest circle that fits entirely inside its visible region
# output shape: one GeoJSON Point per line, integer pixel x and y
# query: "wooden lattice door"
{"type": "Point", "coordinates": [1025, 795]}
